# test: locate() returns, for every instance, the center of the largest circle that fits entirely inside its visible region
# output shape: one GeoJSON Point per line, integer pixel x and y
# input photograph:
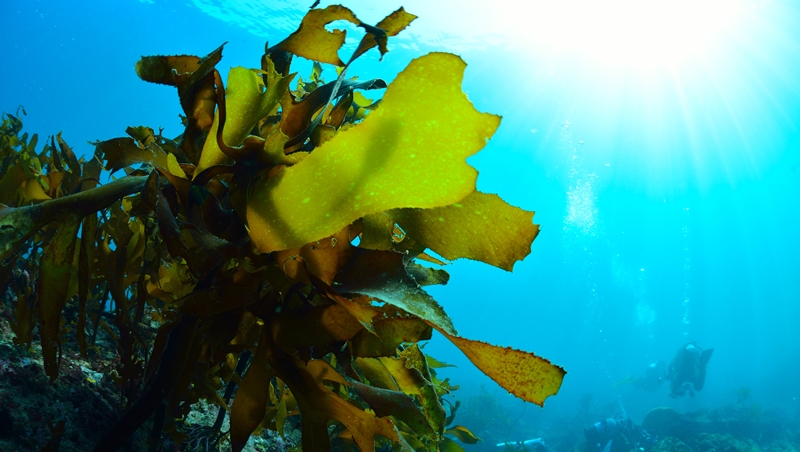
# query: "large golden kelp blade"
{"type": "Point", "coordinates": [410, 152]}
{"type": "Point", "coordinates": [313, 41]}
{"type": "Point", "coordinates": [523, 374]}
{"type": "Point", "coordinates": [481, 227]}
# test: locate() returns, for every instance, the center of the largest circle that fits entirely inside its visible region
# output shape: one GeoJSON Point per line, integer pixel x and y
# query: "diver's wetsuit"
{"type": "Point", "coordinates": [616, 435]}
{"type": "Point", "coordinates": [654, 376]}
{"type": "Point", "coordinates": [687, 371]}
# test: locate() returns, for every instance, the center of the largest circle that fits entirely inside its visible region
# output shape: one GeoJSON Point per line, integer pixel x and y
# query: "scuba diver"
{"type": "Point", "coordinates": [536, 445]}
{"type": "Point", "coordinates": [654, 376]}
{"type": "Point", "coordinates": [612, 435]}
{"type": "Point", "coordinates": [687, 371]}
{"type": "Point", "coordinates": [601, 435]}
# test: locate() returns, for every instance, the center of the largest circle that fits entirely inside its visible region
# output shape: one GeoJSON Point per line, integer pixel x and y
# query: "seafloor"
{"type": "Point", "coordinates": [742, 426]}
{"type": "Point", "coordinates": [88, 402]}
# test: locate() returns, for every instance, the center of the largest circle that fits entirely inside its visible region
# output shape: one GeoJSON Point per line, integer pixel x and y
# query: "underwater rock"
{"type": "Point", "coordinates": [666, 422]}
{"type": "Point", "coordinates": [724, 443]}
{"type": "Point", "coordinates": [671, 444]}
{"type": "Point", "coordinates": [741, 422]}
{"type": "Point", "coordinates": [781, 446]}
{"type": "Point", "coordinates": [31, 407]}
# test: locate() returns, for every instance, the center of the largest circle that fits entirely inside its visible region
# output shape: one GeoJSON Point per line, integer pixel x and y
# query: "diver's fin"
{"type": "Point", "coordinates": [700, 380]}
{"type": "Point", "coordinates": [625, 381]}
{"type": "Point", "coordinates": [705, 356]}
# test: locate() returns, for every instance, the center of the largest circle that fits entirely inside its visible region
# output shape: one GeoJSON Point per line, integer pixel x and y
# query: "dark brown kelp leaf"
{"type": "Point", "coordinates": [149, 194]}
{"type": "Point", "coordinates": [168, 227]}
{"type": "Point", "coordinates": [296, 122]}
{"type": "Point", "coordinates": [56, 431]}
{"type": "Point", "coordinates": [215, 300]}
{"type": "Point", "coordinates": [283, 404]}
{"type": "Point", "coordinates": [426, 276]}
{"type": "Point", "coordinates": [195, 82]}
{"type": "Point", "coordinates": [144, 135]}
{"type": "Point", "coordinates": [319, 405]}
{"type": "Point", "coordinates": [90, 172]}
{"type": "Point", "coordinates": [54, 279]}
{"type": "Point", "coordinates": [187, 73]}
{"type": "Point", "coordinates": [359, 308]}
{"type": "Point", "coordinates": [72, 178]}
{"type": "Point", "coordinates": [389, 333]}
{"type": "Point", "coordinates": [336, 118]}
{"type": "Point", "coordinates": [382, 275]}
{"type": "Point", "coordinates": [250, 404]}
{"type": "Point", "coordinates": [391, 25]}
{"type": "Point", "coordinates": [123, 152]}
{"type": "Point", "coordinates": [173, 363]}
{"type": "Point", "coordinates": [323, 258]}
{"type": "Point", "coordinates": [394, 403]}
{"type": "Point", "coordinates": [315, 326]}
{"type": "Point", "coordinates": [85, 258]}
{"type": "Point", "coordinates": [24, 319]}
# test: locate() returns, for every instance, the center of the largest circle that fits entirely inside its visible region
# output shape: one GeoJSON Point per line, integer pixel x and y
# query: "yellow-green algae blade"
{"type": "Point", "coordinates": [247, 101]}
{"type": "Point", "coordinates": [527, 376]}
{"type": "Point", "coordinates": [410, 152]}
{"type": "Point", "coordinates": [481, 226]}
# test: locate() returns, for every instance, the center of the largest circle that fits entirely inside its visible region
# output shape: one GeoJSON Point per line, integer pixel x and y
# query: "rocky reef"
{"type": "Point", "coordinates": [734, 428]}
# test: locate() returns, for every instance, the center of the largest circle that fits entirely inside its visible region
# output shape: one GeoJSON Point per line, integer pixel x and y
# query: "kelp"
{"type": "Point", "coordinates": [296, 226]}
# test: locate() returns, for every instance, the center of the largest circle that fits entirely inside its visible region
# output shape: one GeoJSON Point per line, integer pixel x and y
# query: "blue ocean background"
{"type": "Point", "coordinates": [668, 191]}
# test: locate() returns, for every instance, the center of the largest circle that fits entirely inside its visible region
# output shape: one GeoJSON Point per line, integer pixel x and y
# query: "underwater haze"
{"type": "Point", "coordinates": [658, 143]}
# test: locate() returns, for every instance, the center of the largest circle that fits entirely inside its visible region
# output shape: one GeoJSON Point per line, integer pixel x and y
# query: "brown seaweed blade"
{"type": "Point", "coordinates": [54, 281]}
{"type": "Point", "coordinates": [391, 25]}
{"type": "Point", "coordinates": [313, 41]}
{"type": "Point", "coordinates": [527, 376]}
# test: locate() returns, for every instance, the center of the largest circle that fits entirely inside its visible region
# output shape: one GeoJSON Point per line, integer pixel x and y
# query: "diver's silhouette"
{"type": "Point", "coordinates": [653, 377]}
{"type": "Point", "coordinates": [687, 371]}
{"type": "Point", "coordinates": [617, 434]}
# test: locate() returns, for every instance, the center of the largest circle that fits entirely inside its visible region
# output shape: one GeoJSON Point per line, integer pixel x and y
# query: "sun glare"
{"type": "Point", "coordinates": [637, 32]}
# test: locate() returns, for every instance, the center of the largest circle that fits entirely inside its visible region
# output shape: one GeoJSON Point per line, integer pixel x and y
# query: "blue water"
{"type": "Point", "coordinates": [667, 193]}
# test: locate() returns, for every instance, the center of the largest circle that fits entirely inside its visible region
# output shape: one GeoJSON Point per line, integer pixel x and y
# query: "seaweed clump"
{"type": "Point", "coordinates": [267, 260]}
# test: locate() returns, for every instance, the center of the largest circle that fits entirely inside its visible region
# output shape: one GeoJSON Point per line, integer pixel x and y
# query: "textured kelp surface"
{"type": "Point", "coordinates": [271, 259]}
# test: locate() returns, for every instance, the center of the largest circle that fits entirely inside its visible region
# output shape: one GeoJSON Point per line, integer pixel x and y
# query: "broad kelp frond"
{"type": "Point", "coordinates": [274, 245]}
